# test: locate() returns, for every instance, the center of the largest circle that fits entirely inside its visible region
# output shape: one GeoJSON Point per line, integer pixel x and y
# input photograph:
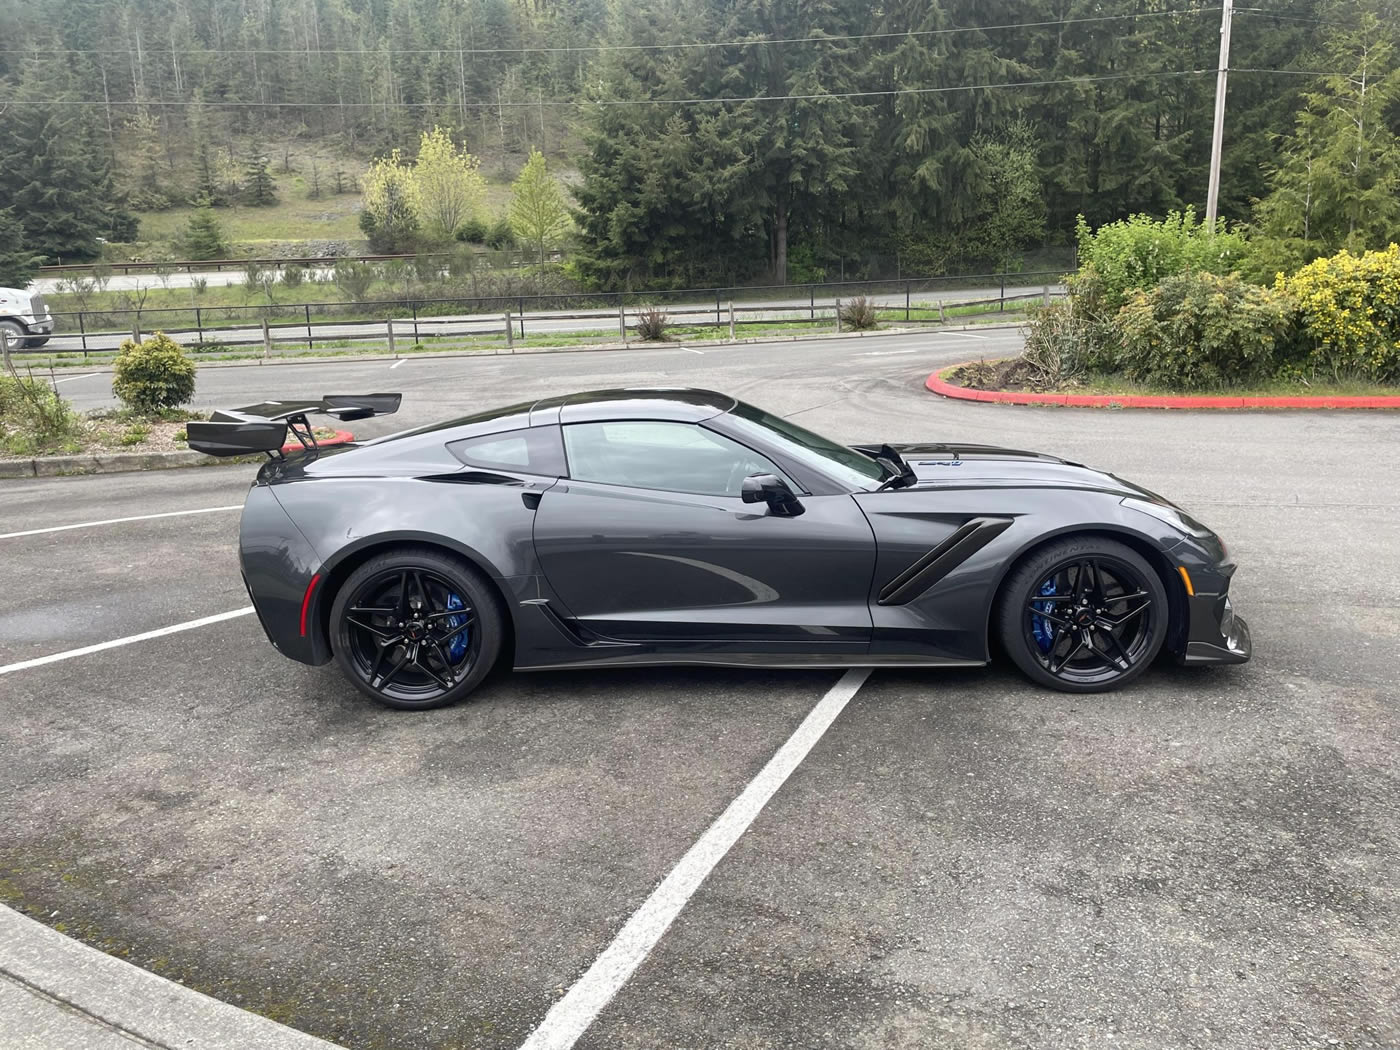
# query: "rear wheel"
{"type": "Point", "coordinates": [1083, 615]}
{"type": "Point", "coordinates": [415, 628]}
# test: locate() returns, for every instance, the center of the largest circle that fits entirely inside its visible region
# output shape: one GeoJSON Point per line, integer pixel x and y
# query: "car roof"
{"type": "Point", "coordinates": [680, 404]}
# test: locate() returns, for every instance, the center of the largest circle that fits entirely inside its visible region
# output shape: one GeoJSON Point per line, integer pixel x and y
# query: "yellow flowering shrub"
{"type": "Point", "coordinates": [1349, 313]}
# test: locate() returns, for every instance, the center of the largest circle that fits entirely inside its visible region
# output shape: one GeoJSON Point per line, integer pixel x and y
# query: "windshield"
{"type": "Point", "coordinates": [803, 446]}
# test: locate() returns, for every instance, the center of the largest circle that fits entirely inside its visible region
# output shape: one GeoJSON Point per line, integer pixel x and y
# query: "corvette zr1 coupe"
{"type": "Point", "coordinates": [633, 527]}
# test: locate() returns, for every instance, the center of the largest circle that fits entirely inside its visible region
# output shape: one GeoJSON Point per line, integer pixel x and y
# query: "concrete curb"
{"type": "Point", "coordinates": [55, 991]}
{"type": "Point", "coordinates": [123, 462]}
{"type": "Point", "coordinates": [939, 385]}
{"type": "Point", "coordinates": [117, 462]}
{"type": "Point", "coordinates": [585, 349]}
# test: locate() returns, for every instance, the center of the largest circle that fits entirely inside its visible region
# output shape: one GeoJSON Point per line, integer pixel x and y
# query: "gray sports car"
{"type": "Point", "coordinates": [632, 527]}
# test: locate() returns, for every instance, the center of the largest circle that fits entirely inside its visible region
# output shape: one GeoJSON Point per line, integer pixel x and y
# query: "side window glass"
{"type": "Point", "coordinates": [535, 450]}
{"type": "Point", "coordinates": [675, 457]}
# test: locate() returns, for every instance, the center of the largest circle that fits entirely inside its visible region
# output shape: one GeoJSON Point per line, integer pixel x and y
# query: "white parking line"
{"type": "Point", "coordinates": [689, 350]}
{"type": "Point", "coordinates": [69, 379]}
{"type": "Point", "coordinates": [892, 353]}
{"type": "Point", "coordinates": [570, 1017]}
{"type": "Point", "coordinates": [118, 521]}
{"type": "Point", "coordinates": [400, 361]}
{"type": "Point", "coordinates": [965, 335]}
{"type": "Point", "coordinates": [68, 654]}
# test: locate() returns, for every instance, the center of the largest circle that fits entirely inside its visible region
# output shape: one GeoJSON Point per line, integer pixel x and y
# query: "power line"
{"type": "Point", "coordinates": [816, 97]}
{"type": "Point", "coordinates": [592, 48]}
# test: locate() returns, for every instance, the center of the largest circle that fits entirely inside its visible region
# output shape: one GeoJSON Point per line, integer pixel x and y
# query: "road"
{"type": "Point", "coordinates": [552, 322]}
{"type": "Point", "coordinates": [1208, 859]}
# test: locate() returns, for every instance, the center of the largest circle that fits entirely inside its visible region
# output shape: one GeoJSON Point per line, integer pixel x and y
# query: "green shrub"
{"type": "Point", "coordinates": [500, 236]}
{"type": "Point", "coordinates": [293, 275]}
{"type": "Point", "coordinates": [1198, 330]}
{"type": "Point", "coordinates": [135, 434]}
{"type": "Point", "coordinates": [354, 279]}
{"type": "Point", "coordinates": [473, 231]}
{"type": "Point", "coordinates": [152, 375]}
{"type": "Point", "coordinates": [1349, 314]}
{"type": "Point", "coordinates": [1137, 253]}
{"type": "Point", "coordinates": [34, 419]}
{"type": "Point", "coordinates": [1060, 347]}
{"type": "Point", "coordinates": [859, 314]}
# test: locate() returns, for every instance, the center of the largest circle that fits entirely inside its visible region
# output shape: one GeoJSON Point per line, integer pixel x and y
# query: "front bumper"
{"type": "Point", "coordinates": [43, 326]}
{"type": "Point", "coordinates": [1215, 635]}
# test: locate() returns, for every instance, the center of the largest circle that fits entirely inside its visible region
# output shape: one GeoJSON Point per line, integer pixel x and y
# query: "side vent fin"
{"type": "Point", "coordinates": [969, 538]}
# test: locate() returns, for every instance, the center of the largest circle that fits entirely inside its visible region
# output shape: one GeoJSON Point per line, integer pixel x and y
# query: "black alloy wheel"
{"type": "Point", "coordinates": [1084, 615]}
{"type": "Point", "coordinates": [415, 628]}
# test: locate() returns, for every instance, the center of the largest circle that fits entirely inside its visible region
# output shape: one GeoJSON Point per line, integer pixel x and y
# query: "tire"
{"type": "Point", "coordinates": [415, 628]}
{"type": "Point", "coordinates": [36, 342]}
{"type": "Point", "coordinates": [1083, 630]}
{"type": "Point", "coordinates": [19, 335]}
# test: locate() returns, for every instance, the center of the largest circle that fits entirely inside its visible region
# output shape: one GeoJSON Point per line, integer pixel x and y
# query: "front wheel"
{"type": "Point", "coordinates": [1084, 615]}
{"type": "Point", "coordinates": [416, 628]}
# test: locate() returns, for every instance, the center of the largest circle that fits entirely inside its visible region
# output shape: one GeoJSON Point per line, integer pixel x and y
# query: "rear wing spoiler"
{"type": "Point", "coordinates": [264, 427]}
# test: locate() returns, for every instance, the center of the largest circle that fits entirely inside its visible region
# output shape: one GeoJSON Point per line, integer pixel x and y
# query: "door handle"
{"type": "Point", "coordinates": [531, 500]}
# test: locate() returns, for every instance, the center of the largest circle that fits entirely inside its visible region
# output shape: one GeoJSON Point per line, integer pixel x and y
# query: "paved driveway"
{"type": "Point", "coordinates": [1208, 859]}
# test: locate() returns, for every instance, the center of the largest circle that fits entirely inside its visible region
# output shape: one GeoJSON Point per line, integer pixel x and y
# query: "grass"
{"type": "Point", "coordinates": [428, 344]}
{"type": "Point", "coordinates": [1118, 385]}
{"type": "Point", "coordinates": [295, 217]}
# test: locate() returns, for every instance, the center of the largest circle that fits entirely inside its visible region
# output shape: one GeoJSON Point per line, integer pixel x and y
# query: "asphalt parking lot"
{"type": "Point", "coordinates": [1210, 858]}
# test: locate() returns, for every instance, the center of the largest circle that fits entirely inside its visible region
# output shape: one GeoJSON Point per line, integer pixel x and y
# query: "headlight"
{"type": "Point", "coordinates": [1173, 516]}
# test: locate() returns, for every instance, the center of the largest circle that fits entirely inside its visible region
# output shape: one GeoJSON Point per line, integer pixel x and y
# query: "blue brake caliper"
{"type": "Point", "coordinates": [1040, 626]}
{"type": "Point", "coordinates": [457, 647]}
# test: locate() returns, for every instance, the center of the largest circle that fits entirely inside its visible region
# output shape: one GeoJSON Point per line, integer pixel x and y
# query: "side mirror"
{"type": "Point", "coordinates": [773, 490]}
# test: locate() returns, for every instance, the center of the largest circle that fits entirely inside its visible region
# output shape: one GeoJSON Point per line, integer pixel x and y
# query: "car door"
{"type": "Point", "coordinates": [647, 540]}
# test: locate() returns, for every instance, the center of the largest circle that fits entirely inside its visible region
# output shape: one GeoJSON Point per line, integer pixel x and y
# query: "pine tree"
{"type": "Point", "coordinates": [257, 188]}
{"type": "Point", "coordinates": [1339, 183]}
{"type": "Point", "coordinates": [53, 177]}
{"type": "Point", "coordinates": [18, 264]}
{"type": "Point", "coordinates": [204, 237]}
{"type": "Point", "coordinates": [538, 214]}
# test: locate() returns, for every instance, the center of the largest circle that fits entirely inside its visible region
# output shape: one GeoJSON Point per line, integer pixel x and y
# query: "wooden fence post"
{"type": "Point", "coordinates": [731, 319]}
{"type": "Point", "coordinates": [267, 339]}
{"type": "Point", "coordinates": [838, 315]}
{"type": "Point", "coordinates": [622, 322]}
{"type": "Point", "coordinates": [510, 332]}
{"type": "Point", "coordinates": [5, 350]}
{"type": "Point", "coordinates": [389, 327]}
{"type": "Point", "coordinates": [1045, 299]}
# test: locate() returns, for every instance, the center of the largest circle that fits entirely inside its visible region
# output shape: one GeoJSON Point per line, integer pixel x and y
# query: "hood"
{"type": "Point", "coordinates": [957, 463]}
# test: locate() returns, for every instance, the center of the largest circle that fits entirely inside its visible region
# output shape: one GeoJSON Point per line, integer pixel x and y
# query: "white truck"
{"type": "Point", "coordinates": [24, 318]}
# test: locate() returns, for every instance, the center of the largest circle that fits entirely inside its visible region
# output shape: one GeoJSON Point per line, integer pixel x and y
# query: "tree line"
{"type": "Point", "coordinates": [923, 135]}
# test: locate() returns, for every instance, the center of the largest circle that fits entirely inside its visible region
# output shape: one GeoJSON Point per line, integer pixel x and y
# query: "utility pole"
{"type": "Point", "coordinates": [1217, 138]}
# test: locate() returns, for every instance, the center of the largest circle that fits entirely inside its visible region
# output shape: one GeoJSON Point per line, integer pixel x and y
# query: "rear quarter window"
{"type": "Point", "coordinates": [530, 450]}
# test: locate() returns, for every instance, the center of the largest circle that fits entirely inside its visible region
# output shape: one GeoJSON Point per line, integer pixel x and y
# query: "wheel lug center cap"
{"type": "Point", "coordinates": [1084, 617]}
{"type": "Point", "coordinates": [414, 629]}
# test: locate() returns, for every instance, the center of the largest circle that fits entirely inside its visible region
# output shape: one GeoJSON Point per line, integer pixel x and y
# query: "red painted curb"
{"type": "Point", "coordinates": [341, 438]}
{"type": "Point", "coordinates": [939, 385]}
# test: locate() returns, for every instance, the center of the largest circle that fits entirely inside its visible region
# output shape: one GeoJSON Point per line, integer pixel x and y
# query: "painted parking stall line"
{"type": "Point", "coordinates": [118, 521]}
{"type": "Point", "coordinates": [570, 1017]}
{"type": "Point", "coordinates": [160, 632]}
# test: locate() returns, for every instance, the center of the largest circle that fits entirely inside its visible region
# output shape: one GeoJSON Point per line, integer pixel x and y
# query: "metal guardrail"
{"type": "Point", "coordinates": [514, 256]}
{"type": "Point", "coordinates": [207, 322]}
{"type": "Point", "coordinates": [388, 329]}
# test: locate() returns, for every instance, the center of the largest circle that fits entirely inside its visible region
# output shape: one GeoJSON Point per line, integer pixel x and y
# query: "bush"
{"type": "Point", "coordinates": [34, 419]}
{"type": "Point", "coordinates": [152, 375]}
{"type": "Point", "coordinates": [500, 236]}
{"type": "Point", "coordinates": [1137, 253]}
{"type": "Point", "coordinates": [652, 323]}
{"type": "Point", "coordinates": [859, 314]}
{"type": "Point", "coordinates": [1349, 314]}
{"type": "Point", "coordinates": [354, 279]}
{"type": "Point", "coordinates": [1197, 330]}
{"type": "Point", "coordinates": [473, 231]}
{"type": "Point", "coordinates": [293, 275]}
{"type": "Point", "coordinates": [1059, 346]}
